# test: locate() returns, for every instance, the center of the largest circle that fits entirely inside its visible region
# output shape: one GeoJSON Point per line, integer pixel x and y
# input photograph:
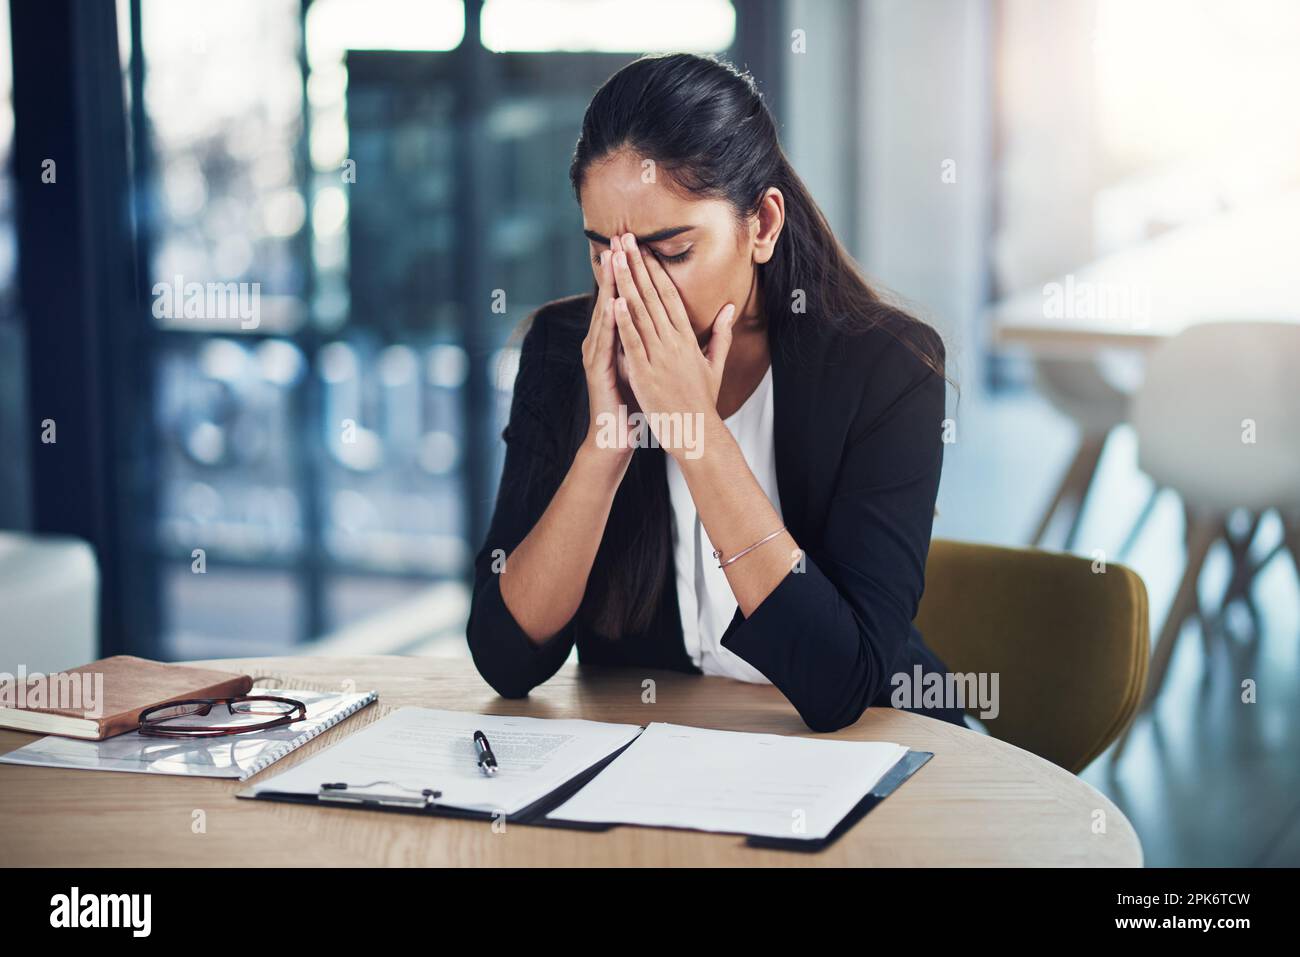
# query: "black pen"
{"type": "Point", "coordinates": [487, 761]}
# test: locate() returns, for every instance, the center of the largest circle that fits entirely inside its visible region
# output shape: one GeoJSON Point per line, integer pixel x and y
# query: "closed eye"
{"type": "Point", "coordinates": [678, 258]}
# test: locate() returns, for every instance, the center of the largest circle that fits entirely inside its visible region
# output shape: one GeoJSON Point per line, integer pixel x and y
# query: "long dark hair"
{"type": "Point", "coordinates": [705, 125]}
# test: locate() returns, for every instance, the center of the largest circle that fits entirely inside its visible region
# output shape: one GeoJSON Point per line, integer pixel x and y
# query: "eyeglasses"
{"type": "Point", "coordinates": [186, 719]}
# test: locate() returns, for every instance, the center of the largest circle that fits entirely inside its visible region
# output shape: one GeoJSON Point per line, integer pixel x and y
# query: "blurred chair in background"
{"type": "Point", "coordinates": [1216, 421]}
{"type": "Point", "coordinates": [1069, 643]}
{"type": "Point", "coordinates": [1077, 388]}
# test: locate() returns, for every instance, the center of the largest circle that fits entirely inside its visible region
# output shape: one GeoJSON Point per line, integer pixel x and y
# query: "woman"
{"type": "Point", "coordinates": [773, 521]}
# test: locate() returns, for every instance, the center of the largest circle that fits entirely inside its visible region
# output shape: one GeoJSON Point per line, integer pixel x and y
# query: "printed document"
{"type": "Point", "coordinates": [736, 782]}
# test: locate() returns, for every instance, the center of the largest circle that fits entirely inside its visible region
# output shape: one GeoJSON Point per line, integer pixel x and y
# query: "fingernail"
{"type": "Point", "coordinates": [630, 240]}
{"type": "Point", "coordinates": [621, 258]}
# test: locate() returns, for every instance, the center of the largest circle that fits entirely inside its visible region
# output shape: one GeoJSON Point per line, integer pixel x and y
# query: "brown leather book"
{"type": "Point", "coordinates": [105, 698]}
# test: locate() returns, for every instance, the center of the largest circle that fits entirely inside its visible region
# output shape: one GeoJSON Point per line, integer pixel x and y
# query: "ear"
{"type": "Point", "coordinates": [771, 220]}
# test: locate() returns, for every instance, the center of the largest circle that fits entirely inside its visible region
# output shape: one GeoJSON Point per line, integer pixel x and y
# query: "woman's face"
{"type": "Point", "coordinates": [708, 257]}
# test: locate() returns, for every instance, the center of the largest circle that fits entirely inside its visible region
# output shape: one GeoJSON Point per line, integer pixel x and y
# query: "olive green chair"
{"type": "Point", "coordinates": [1069, 644]}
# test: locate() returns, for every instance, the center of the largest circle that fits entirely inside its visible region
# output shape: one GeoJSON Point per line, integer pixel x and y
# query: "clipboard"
{"type": "Point", "coordinates": [534, 815]}
{"type": "Point", "coordinates": [906, 766]}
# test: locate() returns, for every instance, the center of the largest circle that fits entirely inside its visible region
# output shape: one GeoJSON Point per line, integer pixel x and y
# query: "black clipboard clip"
{"type": "Point", "coordinates": [343, 793]}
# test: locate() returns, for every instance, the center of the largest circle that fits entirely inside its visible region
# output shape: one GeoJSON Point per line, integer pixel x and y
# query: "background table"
{"type": "Point", "coordinates": [1242, 265]}
{"type": "Point", "coordinates": [979, 801]}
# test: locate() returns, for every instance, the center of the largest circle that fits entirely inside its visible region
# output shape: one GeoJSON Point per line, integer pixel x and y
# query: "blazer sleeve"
{"type": "Point", "coordinates": [828, 635]}
{"type": "Point", "coordinates": [505, 656]}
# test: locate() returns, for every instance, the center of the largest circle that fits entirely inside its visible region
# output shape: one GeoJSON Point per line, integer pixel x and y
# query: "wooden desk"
{"type": "Point", "coordinates": [977, 802]}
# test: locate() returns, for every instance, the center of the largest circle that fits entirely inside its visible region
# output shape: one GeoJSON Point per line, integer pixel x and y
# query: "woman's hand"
{"type": "Point", "coordinates": [671, 374]}
{"type": "Point", "coordinates": [605, 392]}
{"type": "Point", "coordinates": [668, 372]}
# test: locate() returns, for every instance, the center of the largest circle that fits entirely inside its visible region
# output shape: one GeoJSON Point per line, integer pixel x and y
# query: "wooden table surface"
{"type": "Point", "coordinates": [977, 802]}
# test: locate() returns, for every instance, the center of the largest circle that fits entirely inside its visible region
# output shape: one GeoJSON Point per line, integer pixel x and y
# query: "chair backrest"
{"type": "Point", "coordinates": [1077, 388]}
{"type": "Point", "coordinates": [1067, 640]}
{"type": "Point", "coordinates": [1218, 415]}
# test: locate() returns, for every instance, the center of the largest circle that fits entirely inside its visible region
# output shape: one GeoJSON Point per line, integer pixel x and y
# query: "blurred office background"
{"type": "Point", "coordinates": [319, 483]}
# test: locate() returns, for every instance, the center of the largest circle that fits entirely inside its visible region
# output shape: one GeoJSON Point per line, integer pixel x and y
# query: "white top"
{"type": "Point", "coordinates": [703, 594]}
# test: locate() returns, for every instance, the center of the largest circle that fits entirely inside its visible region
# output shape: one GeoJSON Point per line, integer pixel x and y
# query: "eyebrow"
{"type": "Point", "coordinates": [655, 237]}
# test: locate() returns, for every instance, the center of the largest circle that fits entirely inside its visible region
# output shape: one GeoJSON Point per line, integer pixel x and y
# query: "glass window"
{"type": "Point", "coordinates": [343, 240]}
{"type": "Point", "coordinates": [14, 429]}
{"type": "Point", "coordinates": [614, 26]}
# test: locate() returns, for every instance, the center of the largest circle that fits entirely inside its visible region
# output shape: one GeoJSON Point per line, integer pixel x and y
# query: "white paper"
{"type": "Point", "coordinates": [733, 782]}
{"type": "Point", "coordinates": [230, 756]}
{"type": "Point", "coordinates": [418, 748]}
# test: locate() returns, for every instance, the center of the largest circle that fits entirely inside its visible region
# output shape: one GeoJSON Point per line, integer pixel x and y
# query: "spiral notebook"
{"type": "Point", "coordinates": [238, 756]}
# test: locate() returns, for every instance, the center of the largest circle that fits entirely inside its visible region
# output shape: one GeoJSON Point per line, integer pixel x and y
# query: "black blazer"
{"type": "Point", "coordinates": [858, 439]}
